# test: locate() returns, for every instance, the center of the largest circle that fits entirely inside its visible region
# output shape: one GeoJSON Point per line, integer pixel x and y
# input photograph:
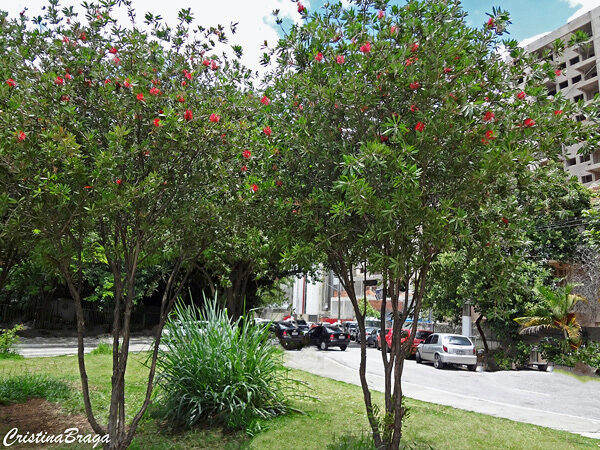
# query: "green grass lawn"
{"type": "Point", "coordinates": [337, 409]}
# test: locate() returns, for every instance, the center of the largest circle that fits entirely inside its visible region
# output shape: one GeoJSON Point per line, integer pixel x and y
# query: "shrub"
{"type": "Point", "coordinates": [501, 359]}
{"type": "Point", "coordinates": [559, 352]}
{"type": "Point", "coordinates": [20, 388]}
{"type": "Point", "coordinates": [218, 371]}
{"type": "Point", "coordinates": [102, 349]}
{"type": "Point", "coordinates": [8, 339]}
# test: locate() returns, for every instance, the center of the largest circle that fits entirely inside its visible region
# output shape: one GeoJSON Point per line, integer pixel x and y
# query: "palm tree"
{"type": "Point", "coordinates": [554, 311]}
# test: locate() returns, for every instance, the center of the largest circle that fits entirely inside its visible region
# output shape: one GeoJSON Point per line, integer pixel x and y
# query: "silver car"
{"type": "Point", "coordinates": [444, 348]}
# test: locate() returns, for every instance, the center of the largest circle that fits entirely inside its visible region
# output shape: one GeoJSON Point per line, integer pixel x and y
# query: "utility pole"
{"type": "Point", "coordinates": [339, 299]}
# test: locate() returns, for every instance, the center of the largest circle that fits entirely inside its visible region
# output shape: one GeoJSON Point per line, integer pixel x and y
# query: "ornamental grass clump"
{"type": "Point", "coordinates": [218, 371]}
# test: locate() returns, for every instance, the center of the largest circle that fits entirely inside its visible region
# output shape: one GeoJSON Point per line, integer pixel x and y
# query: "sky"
{"type": "Point", "coordinates": [530, 18]}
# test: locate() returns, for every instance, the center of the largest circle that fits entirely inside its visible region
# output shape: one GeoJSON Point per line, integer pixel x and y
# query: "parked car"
{"type": "Point", "coordinates": [368, 331]}
{"type": "Point", "coordinates": [372, 337]}
{"type": "Point", "coordinates": [387, 332]}
{"type": "Point", "coordinates": [290, 337]}
{"type": "Point", "coordinates": [351, 328]}
{"type": "Point", "coordinates": [444, 348]}
{"type": "Point", "coordinates": [420, 336]}
{"type": "Point", "coordinates": [302, 325]}
{"type": "Point", "coordinates": [326, 336]}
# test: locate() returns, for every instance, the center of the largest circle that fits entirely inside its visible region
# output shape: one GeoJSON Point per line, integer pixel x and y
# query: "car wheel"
{"type": "Point", "coordinates": [299, 347]}
{"type": "Point", "coordinates": [437, 362]}
{"type": "Point", "coordinates": [323, 345]}
{"type": "Point", "coordinates": [472, 367]}
{"type": "Point", "coordinates": [418, 358]}
{"type": "Point", "coordinates": [343, 348]}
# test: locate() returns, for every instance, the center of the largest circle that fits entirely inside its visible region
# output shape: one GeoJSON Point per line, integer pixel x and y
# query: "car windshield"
{"type": "Point", "coordinates": [333, 330]}
{"type": "Point", "coordinates": [458, 340]}
{"type": "Point", "coordinates": [301, 322]}
{"type": "Point", "coordinates": [422, 334]}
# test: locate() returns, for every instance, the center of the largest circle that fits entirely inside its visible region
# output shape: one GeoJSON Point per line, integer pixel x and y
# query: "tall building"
{"type": "Point", "coordinates": [578, 81]}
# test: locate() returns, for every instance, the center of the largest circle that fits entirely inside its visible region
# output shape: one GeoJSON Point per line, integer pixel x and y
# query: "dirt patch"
{"type": "Point", "coordinates": [38, 415]}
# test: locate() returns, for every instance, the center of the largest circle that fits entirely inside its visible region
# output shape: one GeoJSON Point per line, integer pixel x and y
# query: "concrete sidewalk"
{"type": "Point", "coordinates": [58, 346]}
{"type": "Point", "coordinates": [319, 363]}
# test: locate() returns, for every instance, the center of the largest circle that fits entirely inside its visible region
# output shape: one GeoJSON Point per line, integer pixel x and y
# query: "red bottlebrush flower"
{"type": "Point", "coordinates": [183, 83]}
{"type": "Point", "coordinates": [244, 169]}
{"type": "Point", "coordinates": [112, 50]}
{"type": "Point", "coordinates": [489, 134]}
{"type": "Point", "coordinates": [366, 47]}
{"type": "Point", "coordinates": [491, 23]}
{"type": "Point", "coordinates": [414, 47]}
{"type": "Point", "coordinates": [68, 76]}
{"type": "Point", "coordinates": [452, 96]}
{"type": "Point", "coordinates": [384, 138]}
{"type": "Point", "coordinates": [214, 118]}
{"type": "Point", "coordinates": [157, 122]}
{"type": "Point", "coordinates": [410, 61]}
{"type": "Point", "coordinates": [11, 82]}
{"type": "Point", "coordinates": [107, 81]}
{"type": "Point", "coordinates": [413, 108]}
{"type": "Point", "coordinates": [126, 84]}
{"type": "Point", "coordinates": [146, 153]}
{"type": "Point", "coordinates": [447, 69]}
{"type": "Point", "coordinates": [254, 187]}
{"type": "Point", "coordinates": [187, 115]}
{"type": "Point", "coordinates": [119, 182]}
{"type": "Point", "coordinates": [160, 111]}
{"type": "Point", "coordinates": [265, 100]}
{"type": "Point", "coordinates": [336, 106]}
{"type": "Point", "coordinates": [300, 107]}
{"type": "Point", "coordinates": [140, 97]}
{"type": "Point", "coordinates": [363, 108]}
{"type": "Point", "coordinates": [488, 116]}
{"type": "Point", "coordinates": [393, 29]}
{"type": "Point", "coordinates": [65, 39]}
{"type": "Point", "coordinates": [64, 98]}
{"type": "Point", "coordinates": [301, 8]}
{"type": "Point", "coordinates": [116, 61]}
{"type": "Point", "coordinates": [279, 183]}
{"type": "Point", "coordinates": [87, 187]}
{"type": "Point", "coordinates": [154, 91]}
{"type": "Point", "coordinates": [319, 57]}
{"type": "Point", "coordinates": [557, 72]}
{"type": "Point", "coordinates": [505, 220]}
{"type": "Point", "coordinates": [246, 154]}
{"type": "Point", "coordinates": [83, 36]}
{"type": "Point", "coordinates": [21, 136]}
{"type": "Point", "coordinates": [206, 62]}
{"type": "Point", "coordinates": [339, 59]}
{"type": "Point", "coordinates": [180, 99]}
{"type": "Point", "coordinates": [415, 85]}
{"type": "Point", "coordinates": [558, 112]}
{"type": "Point", "coordinates": [521, 95]}
{"type": "Point", "coordinates": [214, 65]}
{"type": "Point", "coordinates": [420, 126]}
{"type": "Point", "coordinates": [187, 74]}
{"type": "Point", "coordinates": [267, 130]}
{"type": "Point", "coordinates": [487, 99]}
{"type": "Point", "coordinates": [59, 81]}
{"type": "Point", "coordinates": [380, 14]}
{"type": "Point", "coordinates": [529, 122]}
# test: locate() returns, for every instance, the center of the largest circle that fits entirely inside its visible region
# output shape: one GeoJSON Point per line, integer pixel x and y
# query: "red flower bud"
{"type": "Point", "coordinates": [521, 95]}
{"type": "Point", "coordinates": [157, 122]}
{"type": "Point", "coordinates": [246, 154]}
{"type": "Point", "coordinates": [420, 126]}
{"type": "Point", "coordinates": [415, 85]}
{"type": "Point", "coordinates": [59, 81]}
{"type": "Point", "coordinates": [339, 59]}
{"type": "Point", "coordinates": [187, 115]}
{"type": "Point", "coordinates": [11, 82]}
{"type": "Point", "coordinates": [267, 130]}
{"type": "Point", "coordinates": [366, 47]}
{"type": "Point", "coordinates": [529, 122]}
{"type": "Point", "coordinates": [319, 57]}
{"type": "Point", "coordinates": [558, 112]}
{"type": "Point", "coordinates": [254, 188]}
{"type": "Point", "coordinates": [265, 100]}
{"type": "Point", "coordinates": [414, 47]}
{"type": "Point", "coordinates": [113, 50]}
{"type": "Point", "coordinates": [140, 97]}
{"type": "Point", "coordinates": [21, 136]}
{"type": "Point", "coordinates": [488, 116]}
{"type": "Point", "coordinates": [214, 118]}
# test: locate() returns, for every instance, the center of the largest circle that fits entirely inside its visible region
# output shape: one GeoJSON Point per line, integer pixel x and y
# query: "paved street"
{"type": "Point", "coordinates": [44, 346]}
{"type": "Point", "coordinates": [552, 400]}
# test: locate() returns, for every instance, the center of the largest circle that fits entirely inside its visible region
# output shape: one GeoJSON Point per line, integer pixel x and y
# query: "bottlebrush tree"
{"type": "Point", "coordinates": [122, 141]}
{"type": "Point", "coordinates": [405, 133]}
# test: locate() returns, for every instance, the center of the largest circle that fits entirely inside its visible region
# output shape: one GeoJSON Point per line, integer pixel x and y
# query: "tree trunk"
{"type": "Point", "coordinates": [481, 333]}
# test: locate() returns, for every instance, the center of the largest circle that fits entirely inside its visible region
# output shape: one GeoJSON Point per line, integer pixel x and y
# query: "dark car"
{"type": "Point", "coordinates": [290, 337]}
{"type": "Point", "coordinates": [302, 325]}
{"type": "Point", "coordinates": [372, 337]}
{"type": "Point", "coordinates": [326, 336]}
{"type": "Point", "coordinates": [351, 329]}
{"type": "Point", "coordinates": [369, 331]}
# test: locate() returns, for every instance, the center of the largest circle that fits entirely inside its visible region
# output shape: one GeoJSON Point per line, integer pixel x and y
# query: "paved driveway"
{"type": "Point", "coordinates": [552, 400]}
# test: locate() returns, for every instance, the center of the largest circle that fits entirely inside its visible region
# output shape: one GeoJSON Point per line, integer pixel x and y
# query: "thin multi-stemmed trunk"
{"type": "Point", "coordinates": [235, 293]}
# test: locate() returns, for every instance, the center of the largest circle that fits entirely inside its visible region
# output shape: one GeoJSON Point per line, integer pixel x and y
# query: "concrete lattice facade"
{"type": "Point", "coordinates": [579, 65]}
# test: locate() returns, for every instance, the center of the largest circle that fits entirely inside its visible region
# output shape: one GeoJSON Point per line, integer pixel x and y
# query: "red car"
{"type": "Point", "coordinates": [420, 336]}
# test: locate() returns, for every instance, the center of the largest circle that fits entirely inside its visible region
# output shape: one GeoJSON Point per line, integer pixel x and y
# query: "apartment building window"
{"type": "Point", "coordinates": [577, 98]}
{"type": "Point", "coordinates": [552, 92]}
{"type": "Point", "coordinates": [573, 61]}
{"type": "Point", "coordinates": [571, 162]}
{"type": "Point", "coordinates": [584, 158]}
{"type": "Point", "coordinates": [562, 65]}
{"type": "Point", "coordinates": [576, 79]}
{"type": "Point", "coordinates": [563, 85]}
{"type": "Point", "coordinates": [586, 179]}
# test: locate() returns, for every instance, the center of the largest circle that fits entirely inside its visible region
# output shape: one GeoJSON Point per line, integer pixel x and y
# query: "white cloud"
{"type": "Point", "coordinates": [583, 5]}
{"type": "Point", "coordinates": [529, 40]}
{"type": "Point", "coordinates": [255, 21]}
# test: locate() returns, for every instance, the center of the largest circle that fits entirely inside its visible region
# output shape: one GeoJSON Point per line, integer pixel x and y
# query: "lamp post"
{"type": "Point", "coordinates": [466, 319]}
